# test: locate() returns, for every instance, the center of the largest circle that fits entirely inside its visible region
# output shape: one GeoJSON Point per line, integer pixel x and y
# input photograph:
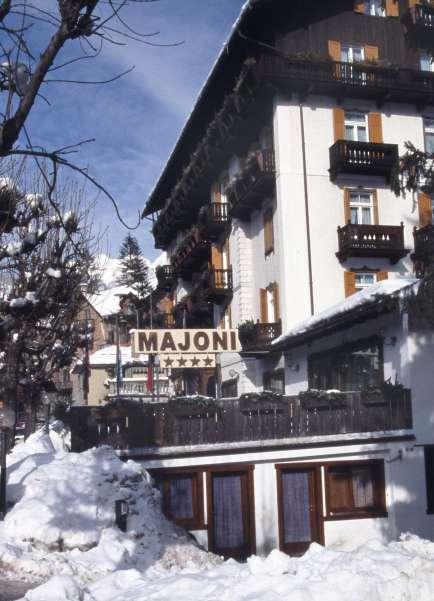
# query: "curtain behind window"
{"type": "Point", "coordinates": [181, 497]}
{"type": "Point", "coordinates": [295, 503]}
{"type": "Point", "coordinates": [228, 515]}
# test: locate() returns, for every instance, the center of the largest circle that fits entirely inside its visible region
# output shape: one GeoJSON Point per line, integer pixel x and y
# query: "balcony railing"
{"type": "Point", "coordinates": [151, 429]}
{"type": "Point", "coordinates": [258, 336]}
{"type": "Point", "coordinates": [423, 255]}
{"type": "Point", "coordinates": [135, 387]}
{"type": "Point", "coordinates": [191, 253]}
{"type": "Point", "coordinates": [253, 183]}
{"type": "Point", "coordinates": [419, 23]}
{"type": "Point", "coordinates": [371, 241]}
{"type": "Point", "coordinates": [214, 219]}
{"type": "Point", "coordinates": [213, 285]}
{"type": "Point", "coordinates": [166, 276]}
{"type": "Point", "coordinates": [362, 158]}
{"type": "Point", "coordinates": [328, 77]}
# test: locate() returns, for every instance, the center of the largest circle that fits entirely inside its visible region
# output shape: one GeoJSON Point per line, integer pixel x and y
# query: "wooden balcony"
{"type": "Point", "coordinates": [191, 253]}
{"type": "Point", "coordinates": [253, 184]}
{"type": "Point", "coordinates": [191, 312]}
{"type": "Point", "coordinates": [419, 24]}
{"type": "Point", "coordinates": [161, 321]}
{"type": "Point", "coordinates": [423, 255]}
{"type": "Point", "coordinates": [259, 336]}
{"type": "Point", "coordinates": [341, 80]}
{"type": "Point", "coordinates": [166, 276]}
{"type": "Point", "coordinates": [214, 219]}
{"type": "Point", "coordinates": [155, 429]}
{"type": "Point", "coordinates": [214, 285]}
{"type": "Point", "coordinates": [362, 158]}
{"type": "Point", "coordinates": [383, 241]}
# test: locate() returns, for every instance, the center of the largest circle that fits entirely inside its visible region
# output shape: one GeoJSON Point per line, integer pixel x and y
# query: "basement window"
{"type": "Point", "coordinates": [182, 500]}
{"type": "Point", "coordinates": [355, 490]}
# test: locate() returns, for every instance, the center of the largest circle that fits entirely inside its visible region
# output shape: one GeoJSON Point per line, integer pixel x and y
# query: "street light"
{"type": "Point", "coordinates": [7, 422]}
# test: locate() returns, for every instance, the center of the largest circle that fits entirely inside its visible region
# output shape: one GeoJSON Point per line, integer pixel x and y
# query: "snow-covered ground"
{"type": "Point", "coordinates": [61, 532]}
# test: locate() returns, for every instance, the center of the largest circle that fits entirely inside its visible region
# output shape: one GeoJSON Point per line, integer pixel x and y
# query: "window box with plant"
{"type": "Point", "coordinates": [322, 399]}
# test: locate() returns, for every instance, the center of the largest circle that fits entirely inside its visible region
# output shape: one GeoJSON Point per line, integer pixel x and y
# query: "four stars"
{"type": "Point", "coordinates": [183, 361]}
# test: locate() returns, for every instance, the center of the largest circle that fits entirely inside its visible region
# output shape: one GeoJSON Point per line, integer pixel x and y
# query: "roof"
{"type": "Point", "coordinates": [107, 356]}
{"type": "Point", "coordinates": [106, 302]}
{"type": "Point", "coordinates": [162, 188]}
{"type": "Point", "coordinates": [368, 300]}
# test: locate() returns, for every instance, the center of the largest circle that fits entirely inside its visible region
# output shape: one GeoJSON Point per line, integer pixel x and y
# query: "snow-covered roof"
{"type": "Point", "coordinates": [106, 302]}
{"type": "Point", "coordinates": [107, 356]}
{"type": "Point", "coordinates": [158, 262]}
{"type": "Point", "coordinates": [364, 298]}
{"type": "Point", "coordinates": [247, 4]}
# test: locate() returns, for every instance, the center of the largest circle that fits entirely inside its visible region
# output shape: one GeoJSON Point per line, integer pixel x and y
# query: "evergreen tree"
{"type": "Point", "coordinates": [134, 270]}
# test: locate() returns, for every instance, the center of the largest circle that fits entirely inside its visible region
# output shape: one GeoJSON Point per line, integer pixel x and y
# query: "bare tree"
{"type": "Point", "coordinates": [46, 263]}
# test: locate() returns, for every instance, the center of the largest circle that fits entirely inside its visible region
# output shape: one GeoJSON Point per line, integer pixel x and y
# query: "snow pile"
{"type": "Point", "coordinates": [63, 520]}
{"type": "Point", "coordinates": [400, 571]}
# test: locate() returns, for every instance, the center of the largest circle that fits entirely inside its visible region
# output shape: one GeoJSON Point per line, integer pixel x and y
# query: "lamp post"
{"type": "Point", "coordinates": [49, 395]}
{"type": "Point", "coordinates": [7, 421]}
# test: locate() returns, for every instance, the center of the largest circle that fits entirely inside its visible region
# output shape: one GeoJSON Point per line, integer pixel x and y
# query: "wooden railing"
{"type": "Point", "coordinates": [371, 241]}
{"type": "Point", "coordinates": [423, 244]}
{"type": "Point", "coordinates": [156, 427]}
{"type": "Point", "coordinates": [214, 219]}
{"type": "Point", "coordinates": [166, 275]}
{"type": "Point", "coordinates": [423, 15]}
{"type": "Point", "coordinates": [364, 158]}
{"type": "Point", "coordinates": [193, 250]}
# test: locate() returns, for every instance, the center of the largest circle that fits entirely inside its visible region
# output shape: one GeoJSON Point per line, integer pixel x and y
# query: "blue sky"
{"type": "Point", "coordinates": [136, 120]}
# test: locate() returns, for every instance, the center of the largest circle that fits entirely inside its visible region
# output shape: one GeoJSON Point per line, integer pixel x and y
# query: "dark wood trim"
{"type": "Point", "coordinates": [379, 512]}
{"type": "Point", "coordinates": [248, 501]}
{"type": "Point", "coordinates": [315, 495]}
{"type": "Point", "coordinates": [428, 452]}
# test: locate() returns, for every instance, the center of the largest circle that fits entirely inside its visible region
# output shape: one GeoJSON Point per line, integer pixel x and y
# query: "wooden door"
{"type": "Point", "coordinates": [231, 514]}
{"type": "Point", "coordinates": [300, 515]}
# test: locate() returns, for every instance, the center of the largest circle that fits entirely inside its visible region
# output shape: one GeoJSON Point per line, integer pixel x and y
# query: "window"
{"type": "Point", "coordinates": [274, 381]}
{"type": "Point", "coordinates": [356, 490]}
{"type": "Point", "coordinates": [269, 303]}
{"type": "Point", "coordinates": [361, 208]}
{"type": "Point", "coordinates": [182, 497]}
{"type": "Point", "coordinates": [429, 135]}
{"type": "Point", "coordinates": [375, 8]}
{"type": "Point", "coordinates": [352, 54]}
{"type": "Point", "coordinates": [364, 279]}
{"type": "Point", "coordinates": [429, 477]}
{"type": "Point", "coordinates": [426, 62]}
{"type": "Point", "coordinates": [356, 127]}
{"type": "Point", "coordinates": [230, 389]}
{"type": "Point", "coordinates": [268, 232]}
{"type": "Point", "coordinates": [351, 367]}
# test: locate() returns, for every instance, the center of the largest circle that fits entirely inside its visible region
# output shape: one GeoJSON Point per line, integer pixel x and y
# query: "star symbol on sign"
{"type": "Point", "coordinates": [168, 362]}
{"type": "Point", "coordinates": [195, 361]}
{"type": "Point", "coordinates": [208, 361]}
{"type": "Point", "coordinates": [182, 362]}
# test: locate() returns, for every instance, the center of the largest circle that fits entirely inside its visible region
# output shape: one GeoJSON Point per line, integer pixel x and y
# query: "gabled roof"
{"type": "Point", "coordinates": [106, 302]}
{"type": "Point", "coordinates": [369, 302]}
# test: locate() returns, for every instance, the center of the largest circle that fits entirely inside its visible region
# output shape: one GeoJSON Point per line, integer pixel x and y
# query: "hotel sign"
{"type": "Point", "coordinates": [185, 341]}
{"type": "Point", "coordinates": [187, 361]}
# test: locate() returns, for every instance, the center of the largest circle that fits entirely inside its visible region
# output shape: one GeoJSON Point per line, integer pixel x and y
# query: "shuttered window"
{"type": "Point", "coordinates": [339, 124]}
{"type": "Point", "coordinates": [268, 232]}
{"type": "Point", "coordinates": [263, 305]}
{"type": "Point", "coordinates": [375, 127]}
{"type": "Point", "coordinates": [216, 257]}
{"type": "Point", "coordinates": [392, 8]}
{"type": "Point", "coordinates": [425, 209]}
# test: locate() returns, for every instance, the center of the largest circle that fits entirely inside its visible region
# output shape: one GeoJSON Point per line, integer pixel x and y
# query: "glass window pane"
{"type": "Point", "coordinates": [362, 134]}
{"type": "Point", "coordinates": [357, 54]}
{"type": "Point", "coordinates": [296, 511]}
{"type": "Point", "coordinates": [366, 216]}
{"type": "Point", "coordinates": [228, 515]}
{"type": "Point", "coordinates": [349, 132]}
{"type": "Point", "coordinates": [345, 54]}
{"type": "Point", "coordinates": [363, 487]}
{"type": "Point", "coordinates": [429, 142]}
{"type": "Point", "coordinates": [181, 497]}
{"type": "Point", "coordinates": [354, 216]}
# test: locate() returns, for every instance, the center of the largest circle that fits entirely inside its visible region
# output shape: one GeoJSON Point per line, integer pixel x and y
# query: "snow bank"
{"type": "Point", "coordinates": [63, 519]}
{"type": "Point", "coordinates": [402, 571]}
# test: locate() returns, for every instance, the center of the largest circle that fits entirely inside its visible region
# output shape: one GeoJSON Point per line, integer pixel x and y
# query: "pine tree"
{"type": "Point", "coordinates": [134, 270]}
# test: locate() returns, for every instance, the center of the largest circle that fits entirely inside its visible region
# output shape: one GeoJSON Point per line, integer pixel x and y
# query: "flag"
{"type": "Point", "coordinates": [119, 375]}
{"type": "Point", "coordinates": [150, 376]}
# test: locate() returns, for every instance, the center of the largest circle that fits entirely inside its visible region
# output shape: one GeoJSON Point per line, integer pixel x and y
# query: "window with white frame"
{"type": "Point", "coordinates": [429, 135]}
{"type": "Point", "coordinates": [364, 279]}
{"type": "Point", "coordinates": [375, 8]}
{"type": "Point", "coordinates": [356, 128]}
{"type": "Point", "coordinates": [361, 208]}
{"type": "Point", "coordinates": [426, 62]}
{"type": "Point", "coordinates": [352, 54]}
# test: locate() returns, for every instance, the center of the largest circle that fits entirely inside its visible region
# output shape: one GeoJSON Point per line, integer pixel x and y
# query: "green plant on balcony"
{"type": "Point", "coordinates": [189, 406]}
{"type": "Point", "coordinates": [247, 332]}
{"type": "Point", "coordinates": [322, 399]}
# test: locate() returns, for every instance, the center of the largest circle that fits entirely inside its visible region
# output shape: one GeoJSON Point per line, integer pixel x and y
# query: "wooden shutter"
{"type": "Point", "coordinates": [425, 209]}
{"type": "Point", "coordinates": [268, 231]}
{"type": "Point", "coordinates": [392, 8]}
{"type": "Point", "coordinates": [382, 275]}
{"type": "Point", "coordinates": [375, 207]}
{"type": "Point", "coordinates": [412, 3]}
{"type": "Point", "coordinates": [215, 192]}
{"type": "Point", "coordinates": [359, 6]}
{"type": "Point", "coordinates": [263, 305]}
{"type": "Point", "coordinates": [349, 283]}
{"type": "Point", "coordinates": [339, 123]}
{"type": "Point", "coordinates": [371, 53]}
{"type": "Point", "coordinates": [375, 128]}
{"type": "Point", "coordinates": [347, 208]}
{"type": "Point", "coordinates": [216, 257]}
{"type": "Point", "coordinates": [276, 301]}
{"type": "Point", "coordinates": [334, 50]}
